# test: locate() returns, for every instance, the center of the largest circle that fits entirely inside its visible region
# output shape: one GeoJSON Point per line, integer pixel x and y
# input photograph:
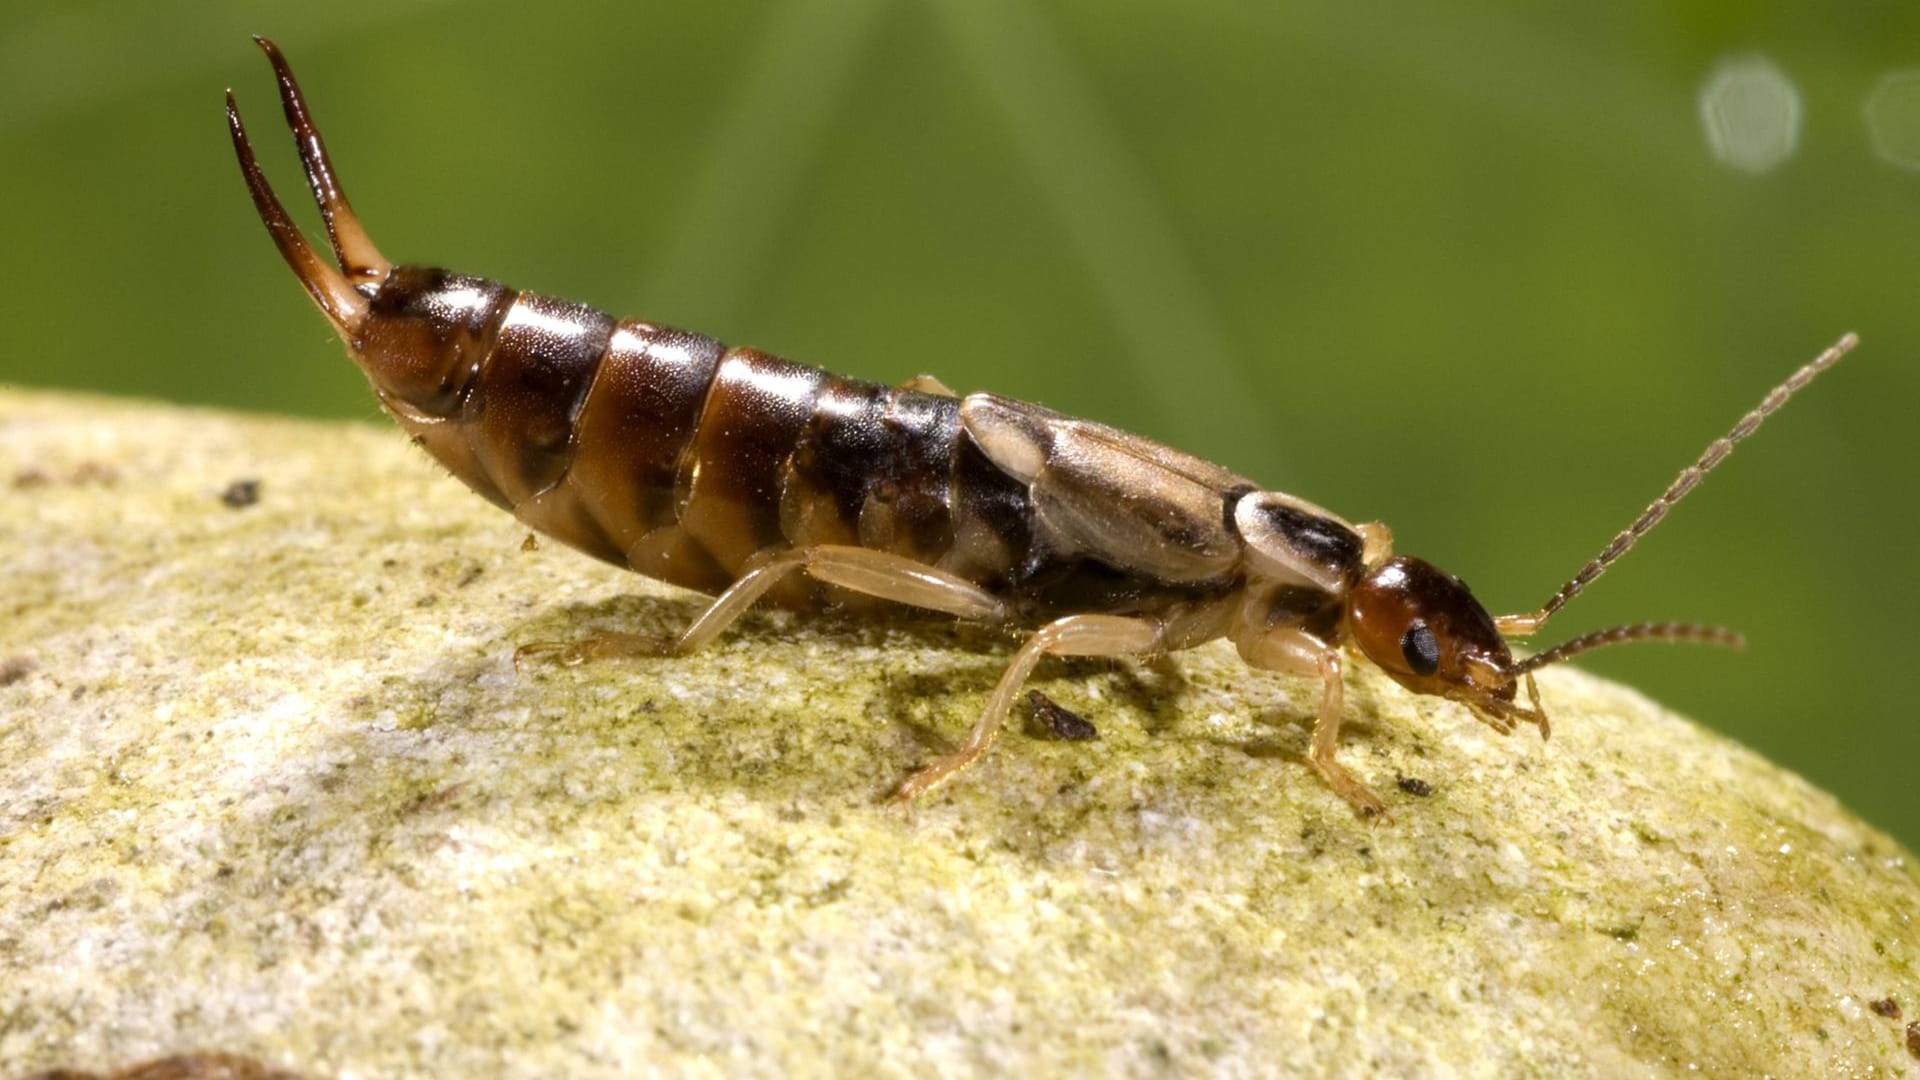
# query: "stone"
{"type": "Point", "coordinates": [270, 786]}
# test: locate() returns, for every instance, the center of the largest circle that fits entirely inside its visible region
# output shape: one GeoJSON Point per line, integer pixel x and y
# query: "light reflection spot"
{"type": "Point", "coordinates": [1751, 113]}
{"type": "Point", "coordinates": [1893, 118]}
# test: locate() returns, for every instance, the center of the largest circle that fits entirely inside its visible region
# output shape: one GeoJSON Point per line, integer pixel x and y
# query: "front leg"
{"type": "Point", "coordinates": [1326, 738]}
{"type": "Point", "coordinates": [1293, 650]}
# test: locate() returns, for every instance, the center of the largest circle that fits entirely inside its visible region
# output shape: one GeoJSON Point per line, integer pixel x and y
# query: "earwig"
{"type": "Point", "coordinates": [748, 477]}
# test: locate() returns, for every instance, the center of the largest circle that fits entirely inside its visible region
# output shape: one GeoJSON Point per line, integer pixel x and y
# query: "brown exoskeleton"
{"type": "Point", "coordinates": [739, 474]}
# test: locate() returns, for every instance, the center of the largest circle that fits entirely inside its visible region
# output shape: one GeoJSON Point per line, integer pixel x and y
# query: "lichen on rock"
{"type": "Point", "coordinates": [270, 785]}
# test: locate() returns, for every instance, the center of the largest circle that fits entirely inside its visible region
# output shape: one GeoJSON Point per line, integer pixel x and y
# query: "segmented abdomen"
{"type": "Point", "coordinates": [667, 452]}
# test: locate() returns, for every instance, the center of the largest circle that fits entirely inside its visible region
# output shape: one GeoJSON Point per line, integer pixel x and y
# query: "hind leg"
{"type": "Point", "coordinates": [874, 573]}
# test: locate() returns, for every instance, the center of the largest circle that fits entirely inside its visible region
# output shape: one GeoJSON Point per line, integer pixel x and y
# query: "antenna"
{"type": "Point", "coordinates": [1618, 635]}
{"type": "Point", "coordinates": [1716, 452]}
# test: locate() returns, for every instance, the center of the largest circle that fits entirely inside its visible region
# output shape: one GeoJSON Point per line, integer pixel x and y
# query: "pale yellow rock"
{"type": "Point", "coordinates": [269, 784]}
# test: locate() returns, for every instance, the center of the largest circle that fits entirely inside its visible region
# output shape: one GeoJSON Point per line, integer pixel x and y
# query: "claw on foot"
{"type": "Point", "coordinates": [942, 770]}
{"type": "Point", "coordinates": [1365, 803]}
{"type": "Point", "coordinates": [1375, 813]}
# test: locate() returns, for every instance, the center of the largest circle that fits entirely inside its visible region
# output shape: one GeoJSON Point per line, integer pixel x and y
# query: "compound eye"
{"type": "Point", "coordinates": [1421, 649]}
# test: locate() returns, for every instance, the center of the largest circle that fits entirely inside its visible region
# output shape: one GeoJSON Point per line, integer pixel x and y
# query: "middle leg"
{"type": "Point", "coordinates": [1073, 635]}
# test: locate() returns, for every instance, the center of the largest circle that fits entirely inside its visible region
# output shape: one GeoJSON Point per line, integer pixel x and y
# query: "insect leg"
{"type": "Point", "coordinates": [875, 573]}
{"type": "Point", "coordinates": [1073, 635]}
{"type": "Point", "coordinates": [1326, 737]}
{"type": "Point", "coordinates": [1297, 652]}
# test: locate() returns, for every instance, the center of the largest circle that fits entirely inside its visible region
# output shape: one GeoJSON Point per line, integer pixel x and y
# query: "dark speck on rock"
{"type": "Point", "coordinates": [1058, 722]}
{"type": "Point", "coordinates": [241, 494]}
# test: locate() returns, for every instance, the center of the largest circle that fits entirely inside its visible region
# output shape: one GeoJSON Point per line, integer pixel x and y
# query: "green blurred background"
{"type": "Point", "coordinates": [1472, 269]}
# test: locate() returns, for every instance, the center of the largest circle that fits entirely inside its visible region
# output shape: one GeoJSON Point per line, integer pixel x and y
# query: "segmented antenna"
{"type": "Point", "coordinates": [1617, 635]}
{"type": "Point", "coordinates": [1522, 625]}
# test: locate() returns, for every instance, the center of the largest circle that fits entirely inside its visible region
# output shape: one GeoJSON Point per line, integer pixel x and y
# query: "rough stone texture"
{"type": "Point", "coordinates": [269, 785]}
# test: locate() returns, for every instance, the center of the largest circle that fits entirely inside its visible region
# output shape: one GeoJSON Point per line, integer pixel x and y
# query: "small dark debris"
{"type": "Point", "coordinates": [1058, 722]}
{"type": "Point", "coordinates": [1413, 785]}
{"type": "Point", "coordinates": [31, 477]}
{"type": "Point", "coordinates": [1886, 1007]}
{"type": "Point", "coordinates": [1913, 1038]}
{"type": "Point", "coordinates": [241, 494]}
{"type": "Point", "coordinates": [531, 543]}
{"type": "Point", "coordinates": [1623, 933]}
{"type": "Point", "coordinates": [15, 668]}
{"type": "Point", "coordinates": [472, 575]}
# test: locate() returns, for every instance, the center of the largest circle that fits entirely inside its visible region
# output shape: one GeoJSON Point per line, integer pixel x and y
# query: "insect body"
{"type": "Point", "coordinates": [743, 475]}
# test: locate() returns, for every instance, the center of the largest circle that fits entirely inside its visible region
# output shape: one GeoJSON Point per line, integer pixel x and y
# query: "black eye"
{"type": "Point", "coordinates": [1420, 649]}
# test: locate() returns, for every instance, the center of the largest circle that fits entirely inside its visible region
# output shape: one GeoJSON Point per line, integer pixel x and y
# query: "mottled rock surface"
{"type": "Point", "coordinates": [269, 785]}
